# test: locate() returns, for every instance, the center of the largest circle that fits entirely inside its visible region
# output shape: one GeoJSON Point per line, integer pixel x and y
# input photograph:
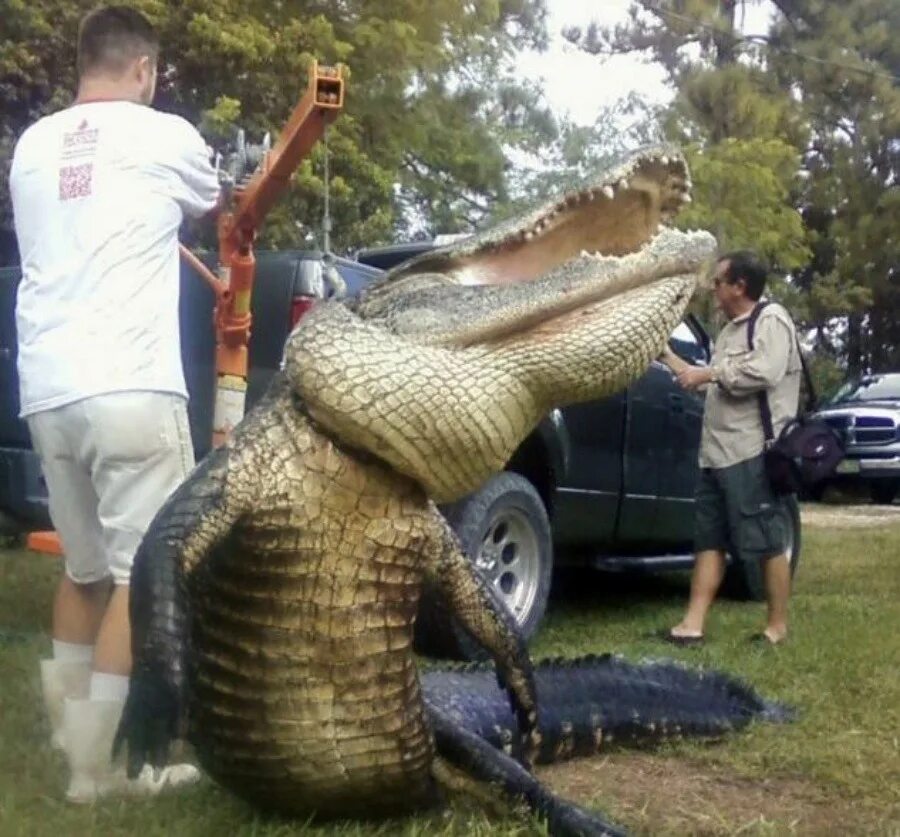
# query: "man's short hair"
{"type": "Point", "coordinates": [111, 37]}
{"type": "Point", "coordinates": [746, 265]}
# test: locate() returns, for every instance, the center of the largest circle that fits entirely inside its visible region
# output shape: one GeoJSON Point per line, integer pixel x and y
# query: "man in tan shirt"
{"type": "Point", "coordinates": [736, 510]}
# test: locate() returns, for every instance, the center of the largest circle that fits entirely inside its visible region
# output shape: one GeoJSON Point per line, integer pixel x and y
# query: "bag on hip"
{"type": "Point", "coordinates": [807, 450]}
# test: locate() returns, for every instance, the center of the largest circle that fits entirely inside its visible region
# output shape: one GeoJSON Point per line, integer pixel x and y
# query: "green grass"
{"type": "Point", "coordinates": [841, 668]}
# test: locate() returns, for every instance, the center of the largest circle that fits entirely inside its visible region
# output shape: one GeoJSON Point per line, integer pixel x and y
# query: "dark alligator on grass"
{"type": "Point", "coordinates": [274, 596]}
{"type": "Point", "coordinates": [593, 702]}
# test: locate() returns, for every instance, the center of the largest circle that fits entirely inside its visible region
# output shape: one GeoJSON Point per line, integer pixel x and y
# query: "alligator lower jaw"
{"type": "Point", "coordinates": [581, 288]}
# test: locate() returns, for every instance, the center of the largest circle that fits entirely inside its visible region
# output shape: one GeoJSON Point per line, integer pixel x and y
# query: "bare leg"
{"type": "Point", "coordinates": [709, 568]}
{"type": "Point", "coordinates": [78, 610]}
{"type": "Point", "coordinates": [777, 574]}
{"type": "Point", "coordinates": [112, 654]}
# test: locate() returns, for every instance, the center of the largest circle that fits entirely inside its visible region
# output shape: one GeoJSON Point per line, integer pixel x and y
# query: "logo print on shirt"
{"type": "Point", "coordinates": [78, 146]}
{"type": "Point", "coordinates": [75, 181]}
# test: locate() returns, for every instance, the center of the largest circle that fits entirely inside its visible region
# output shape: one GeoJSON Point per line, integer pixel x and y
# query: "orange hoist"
{"type": "Point", "coordinates": [237, 227]}
{"type": "Point", "coordinates": [249, 200]}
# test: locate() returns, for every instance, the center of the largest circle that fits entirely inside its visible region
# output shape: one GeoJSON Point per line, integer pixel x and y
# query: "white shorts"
{"type": "Point", "coordinates": [110, 462]}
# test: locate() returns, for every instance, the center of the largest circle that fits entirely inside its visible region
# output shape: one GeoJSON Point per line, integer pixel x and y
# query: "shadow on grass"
{"type": "Point", "coordinates": [580, 590]}
{"type": "Point", "coordinates": [26, 592]}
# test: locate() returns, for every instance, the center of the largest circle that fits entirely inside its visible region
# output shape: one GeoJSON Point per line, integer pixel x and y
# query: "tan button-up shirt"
{"type": "Point", "coordinates": [732, 426]}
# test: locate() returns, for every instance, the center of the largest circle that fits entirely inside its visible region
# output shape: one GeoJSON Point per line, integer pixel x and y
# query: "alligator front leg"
{"type": "Point", "coordinates": [196, 517]}
{"type": "Point", "coordinates": [478, 610]}
{"type": "Point", "coordinates": [493, 771]}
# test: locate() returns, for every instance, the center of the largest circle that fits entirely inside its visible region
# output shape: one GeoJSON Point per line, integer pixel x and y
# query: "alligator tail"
{"type": "Point", "coordinates": [485, 764]}
{"type": "Point", "coordinates": [593, 701]}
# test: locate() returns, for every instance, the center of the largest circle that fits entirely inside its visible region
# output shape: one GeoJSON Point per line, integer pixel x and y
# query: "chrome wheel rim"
{"type": "Point", "coordinates": [509, 560]}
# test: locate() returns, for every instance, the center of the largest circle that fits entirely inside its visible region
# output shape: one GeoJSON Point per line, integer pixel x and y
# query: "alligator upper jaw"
{"type": "Point", "coordinates": [614, 216]}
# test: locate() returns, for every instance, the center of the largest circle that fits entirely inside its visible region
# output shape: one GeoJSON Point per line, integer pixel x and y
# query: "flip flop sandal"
{"type": "Point", "coordinates": [674, 639]}
{"type": "Point", "coordinates": [762, 639]}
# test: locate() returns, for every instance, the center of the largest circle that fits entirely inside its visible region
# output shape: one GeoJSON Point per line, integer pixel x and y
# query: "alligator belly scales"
{"type": "Point", "coordinates": [304, 690]}
{"type": "Point", "coordinates": [274, 595]}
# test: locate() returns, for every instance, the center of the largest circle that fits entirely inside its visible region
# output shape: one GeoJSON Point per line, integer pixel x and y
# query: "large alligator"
{"type": "Point", "coordinates": [274, 595]}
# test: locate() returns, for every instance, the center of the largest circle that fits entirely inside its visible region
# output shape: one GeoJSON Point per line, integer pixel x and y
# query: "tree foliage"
{"type": "Point", "coordinates": [742, 139]}
{"type": "Point", "coordinates": [843, 63]}
{"type": "Point", "coordinates": [794, 139]}
{"type": "Point", "coordinates": [578, 153]}
{"type": "Point", "coordinates": [431, 102]}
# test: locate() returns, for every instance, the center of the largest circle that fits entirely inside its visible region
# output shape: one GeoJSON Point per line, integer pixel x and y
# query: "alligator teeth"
{"type": "Point", "coordinates": [528, 235]}
{"type": "Point", "coordinates": [664, 160]}
{"type": "Point", "coordinates": [685, 197]}
{"type": "Point", "coordinates": [608, 192]}
{"type": "Point", "coordinates": [622, 184]}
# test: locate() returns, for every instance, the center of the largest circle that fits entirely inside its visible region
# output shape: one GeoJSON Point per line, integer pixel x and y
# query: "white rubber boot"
{"type": "Point", "coordinates": [89, 727]}
{"type": "Point", "coordinates": [61, 679]}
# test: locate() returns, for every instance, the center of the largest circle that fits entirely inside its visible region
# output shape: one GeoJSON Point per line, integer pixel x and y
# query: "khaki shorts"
{"type": "Point", "coordinates": [110, 462]}
{"type": "Point", "coordinates": [737, 512]}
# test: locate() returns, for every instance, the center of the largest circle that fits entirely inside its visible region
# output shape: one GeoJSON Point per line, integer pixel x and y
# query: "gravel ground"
{"type": "Point", "coordinates": [848, 516]}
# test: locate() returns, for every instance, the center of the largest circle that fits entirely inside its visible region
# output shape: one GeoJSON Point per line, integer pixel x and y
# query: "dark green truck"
{"type": "Point", "coordinates": [608, 483]}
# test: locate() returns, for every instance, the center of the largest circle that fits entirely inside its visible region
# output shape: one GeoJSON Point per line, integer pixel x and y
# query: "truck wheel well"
{"type": "Point", "coordinates": [532, 461]}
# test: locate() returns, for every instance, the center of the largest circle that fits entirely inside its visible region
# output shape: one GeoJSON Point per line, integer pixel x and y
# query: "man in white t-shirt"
{"type": "Point", "coordinates": [98, 192]}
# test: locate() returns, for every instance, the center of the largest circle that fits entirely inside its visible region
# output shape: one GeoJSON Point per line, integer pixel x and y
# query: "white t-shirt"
{"type": "Point", "coordinates": [98, 193]}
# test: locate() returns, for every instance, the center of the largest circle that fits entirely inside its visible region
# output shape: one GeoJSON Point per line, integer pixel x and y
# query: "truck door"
{"type": "Point", "coordinates": [587, 503]}
{"type": "Point", "coordinates": [678, 453]}
{"type": "Point", "coordinates": [645, 441]}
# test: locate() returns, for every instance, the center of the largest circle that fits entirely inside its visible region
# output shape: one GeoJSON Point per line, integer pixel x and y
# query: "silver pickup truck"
{"type": "Point", "coordinates": [866, 414]}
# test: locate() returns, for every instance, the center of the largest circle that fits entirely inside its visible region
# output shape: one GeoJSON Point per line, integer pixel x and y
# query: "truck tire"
{"type": "Point", "coordinates": [504, 529]}
{"type": "Point", "coordinates": [815, 493]}
{"type": "Point", "coordinates": [883, 492]}
{"type": "Point", "coordinates": [9, 526]}
{"type": "Point", "coordinates": [744, 579]}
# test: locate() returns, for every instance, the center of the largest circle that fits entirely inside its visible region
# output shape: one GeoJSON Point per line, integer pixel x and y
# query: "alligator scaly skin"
{"type": "Point", "coordinates": [303, 687]}
{"type": "Point", "coordinates": [593, 702]}
{"type": "Point", "coordinates": [274, 595]}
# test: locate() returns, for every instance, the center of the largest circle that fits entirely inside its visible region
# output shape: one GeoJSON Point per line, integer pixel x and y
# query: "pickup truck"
{"type": "Point", "coordinates": [865, 412]}
{"type": "Point", "coordinates": [608, 483]}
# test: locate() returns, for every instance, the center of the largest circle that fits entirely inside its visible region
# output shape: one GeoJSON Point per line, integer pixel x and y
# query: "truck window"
{"type": "Point", "coordinates": [869, 388]}
{"type": "Point", "coordinates": [686, 344]}
{"type": "Point", "coordinates": [357, 276]}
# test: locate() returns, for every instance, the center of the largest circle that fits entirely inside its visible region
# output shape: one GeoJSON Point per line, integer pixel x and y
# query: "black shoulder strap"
{"type": "Point", "coordinates": [763, 397]}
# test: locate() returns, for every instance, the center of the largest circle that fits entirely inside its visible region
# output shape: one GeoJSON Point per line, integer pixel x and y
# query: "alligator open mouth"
{"type": "Point", "coordinates": [614, 216]}
{"type": "Point", "coordinates": [443, 366]}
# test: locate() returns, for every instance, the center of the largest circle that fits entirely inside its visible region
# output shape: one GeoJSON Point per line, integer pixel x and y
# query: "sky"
{"type": "Point", "coordinates": [581, 84]}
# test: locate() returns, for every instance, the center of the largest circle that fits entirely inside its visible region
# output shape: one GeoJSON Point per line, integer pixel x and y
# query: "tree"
{"type": "Point", "coordinates": [738, 128]}
{"type": "Point", "coordinates": [798, 125]}
{"type": "Point", "coordinates": [842, 62]}
{"type": "Point", "coordinates": [578, 153]}
{"type": "Point", "coordinates": [431, 102]}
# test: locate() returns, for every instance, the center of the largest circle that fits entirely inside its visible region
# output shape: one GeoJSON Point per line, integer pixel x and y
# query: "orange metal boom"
{"type": "Point", "coordinates": [320, 105]}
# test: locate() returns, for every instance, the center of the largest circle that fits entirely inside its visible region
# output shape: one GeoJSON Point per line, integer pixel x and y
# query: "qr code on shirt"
{"type": "Point", "coordinates": [75, 181]}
